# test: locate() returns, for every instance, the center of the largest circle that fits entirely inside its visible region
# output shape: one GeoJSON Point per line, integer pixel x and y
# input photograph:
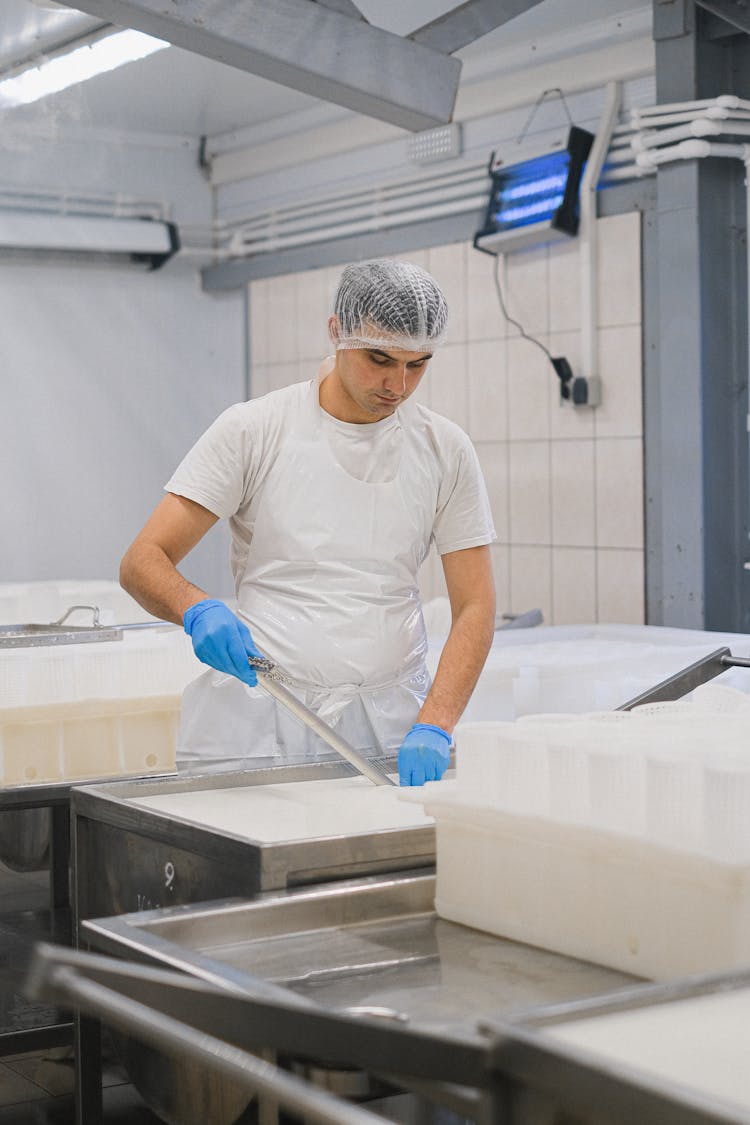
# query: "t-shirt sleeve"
{"type": "Point", "coordinates": [464, 516]}
{"type": "Point", "coordinates": [215, 471]}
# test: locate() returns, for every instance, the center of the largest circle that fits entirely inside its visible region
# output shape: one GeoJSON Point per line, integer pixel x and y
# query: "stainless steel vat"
{"type": "Point", "coordinates": [130, 858]}
{"type": "Point", "coordinates": [372, 947]}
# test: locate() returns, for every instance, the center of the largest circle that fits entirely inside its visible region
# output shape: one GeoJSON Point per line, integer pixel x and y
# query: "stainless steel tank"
{"type": "Point", "coordinates": [131, 858]}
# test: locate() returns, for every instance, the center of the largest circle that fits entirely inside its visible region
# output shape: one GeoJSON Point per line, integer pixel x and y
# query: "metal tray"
{"type": "Point", "coordinates": [155, 860]}
{"type": "Point", "coordinates": [370, 946]}
{"type": "Point", "coordinates": [35, 635]}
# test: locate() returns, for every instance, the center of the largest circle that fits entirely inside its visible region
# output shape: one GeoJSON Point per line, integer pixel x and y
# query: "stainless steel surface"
{"type": "Point", "coordinates": [65, 978]}
{"type": "Point", "coordinates": [32, 635]}
{"type": "Point", "coordinates": [129, 858]}
{"type": "Point", "coordinates": [368, 944]}
{"type": "Point", "coordinates": [153, 859]}
{"type": "Point", "coordinates": [580, 1086]}
{"type": "Point", "coordinates": [271, 677]}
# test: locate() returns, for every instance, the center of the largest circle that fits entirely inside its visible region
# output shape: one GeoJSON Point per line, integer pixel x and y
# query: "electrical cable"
{"type": "Point", "coordinates": [560, 363]}
{"type": "Point", "coordinates": [507, 315]}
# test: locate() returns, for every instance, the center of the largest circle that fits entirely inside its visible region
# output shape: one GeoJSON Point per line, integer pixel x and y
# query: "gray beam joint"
{"type": "Point", "coordinates": [672, 18]}
{"type": "Point", "coordinates": [469, 21]}
{"type": "Point", "coordinates": [309, 48]}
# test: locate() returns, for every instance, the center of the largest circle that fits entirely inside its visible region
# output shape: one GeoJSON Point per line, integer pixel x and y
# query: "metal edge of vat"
{"type": "Point", "coordinates": [279, 864]}
{"type": "Point", "coordinates": [150, 934]}
{"type": "Point", "coordinates": [43, 793]}
{"type": "Point", "coordinates": [523, 1057]}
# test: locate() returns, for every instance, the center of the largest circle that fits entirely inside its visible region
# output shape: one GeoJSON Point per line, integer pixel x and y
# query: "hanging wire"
{"type": "Point", "coordinates": [537, 104]}
{"type": "Point", "coordinates": [508, 317]}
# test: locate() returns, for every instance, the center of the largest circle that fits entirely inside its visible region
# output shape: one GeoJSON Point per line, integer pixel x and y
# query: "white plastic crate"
{"type": "Point", "coordinates": [94, 710]}
{"type": "Point", "coordinates": [619, 838]}
{"type": "Point", "coordinates": [95, 738]}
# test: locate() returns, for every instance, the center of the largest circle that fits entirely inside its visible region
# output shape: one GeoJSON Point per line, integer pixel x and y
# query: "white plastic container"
{"type": "Point", "coordinates": [97, 710]}
{"type": "Point", "coordinates": [615, 900]}
{"type": "Point", "coordinates": [95, 738]}
{"type": "Point", "coordinates": [621, 838]}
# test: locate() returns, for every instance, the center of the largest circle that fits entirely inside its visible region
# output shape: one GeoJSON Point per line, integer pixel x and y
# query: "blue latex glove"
{"type": "Point", "coordinates": [220, 639]}
{"type": "Point", "coordinates": [424, 754]}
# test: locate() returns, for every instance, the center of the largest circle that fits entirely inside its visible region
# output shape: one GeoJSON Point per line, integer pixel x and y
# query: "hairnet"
{"type": "Point", "coordinates": [389, 304]}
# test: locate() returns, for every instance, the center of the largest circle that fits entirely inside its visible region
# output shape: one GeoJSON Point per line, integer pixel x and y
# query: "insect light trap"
{"type": "Point", "coordinates": [534, 196]}
{"type": "Point", "coordinates": [534, 199]}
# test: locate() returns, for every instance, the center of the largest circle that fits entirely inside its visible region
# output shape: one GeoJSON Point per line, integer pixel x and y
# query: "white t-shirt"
{"type": "Point", "coordinates": [226, 468]}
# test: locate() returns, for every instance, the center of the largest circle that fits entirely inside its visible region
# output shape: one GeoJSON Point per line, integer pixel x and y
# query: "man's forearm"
{"type": "Point", "coordinates": [460, 665]}
{"type": "Point", "coordinates": [148, 575]}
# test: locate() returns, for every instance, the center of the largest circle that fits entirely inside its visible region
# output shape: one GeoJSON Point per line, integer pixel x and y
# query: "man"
{"type": "Point", "coordinates": [334, 490]}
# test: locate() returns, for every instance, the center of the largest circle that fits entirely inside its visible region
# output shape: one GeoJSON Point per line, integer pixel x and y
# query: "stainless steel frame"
{"type": "Point", "coordinates": [506, 1071]}
{"type": "Point", "coordinates": [536, 1072]}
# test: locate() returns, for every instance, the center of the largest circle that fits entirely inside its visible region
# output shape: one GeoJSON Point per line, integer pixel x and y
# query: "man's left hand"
{"type": "Point", "coordinates": [424, 754]}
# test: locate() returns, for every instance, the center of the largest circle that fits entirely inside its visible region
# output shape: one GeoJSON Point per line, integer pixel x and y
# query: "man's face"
{"type": "Point", "coordinates": [368, 384]}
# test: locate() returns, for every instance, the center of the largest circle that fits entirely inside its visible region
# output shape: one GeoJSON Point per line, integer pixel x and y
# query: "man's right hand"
{"type": "Point", "coordinates": [220, 639]}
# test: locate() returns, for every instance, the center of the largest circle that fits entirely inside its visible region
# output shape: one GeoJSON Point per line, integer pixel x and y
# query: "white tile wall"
{"type": "Point", "coordinates": [449, 383]}
{"type": "Point", "coordinates": [621, 370]}
{"type": "Point", "coordinates": [531, 580]}
{"type": "Point", "coordinates": [485, 320]}
{"type": "Point", "coordinates": [572, 469]}
{"type": "Point", "coordinates": [487, 381]}
{"type": "Point", "coordinates": [620, 586]}
{"type": "Point", "coordinates": [619, 492]}
{"type": "Point", "coordinates": [574, 585]}
{"type": "Point", "coordinates": [314, 298]}
{"type": "Point", "coordinates": [526, 290]}
{"type": "Point", "coordinates": [448, 265]}
{"type": "Point", "coordinates": [565, 484]}
{"type": "Point", "coordinates": [564, 287]}
{"type": "Point", "coordinates": [532, 385]}
{"type": "Point", "coordinates": [493, 457]}
{"type": "Point", "coordinates": [530, 510]}
{"type": "Point", "coordinates": [619, 269]}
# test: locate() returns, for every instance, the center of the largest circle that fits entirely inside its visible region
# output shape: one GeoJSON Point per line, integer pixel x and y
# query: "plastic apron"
{"type": "Point", "coordinates": [329, 593]}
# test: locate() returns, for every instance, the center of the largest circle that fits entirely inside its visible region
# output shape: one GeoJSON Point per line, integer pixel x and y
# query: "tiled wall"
{"type": "Point", "coordinates": [566, 484]}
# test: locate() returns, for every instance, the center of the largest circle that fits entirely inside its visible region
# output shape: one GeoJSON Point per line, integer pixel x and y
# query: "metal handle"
{"type": "Point", "coordinates": [94, 611]}
{"type": "Point", "coordinates": [314, 723]}
{"type": "Point", "coordinates": [683, 682]}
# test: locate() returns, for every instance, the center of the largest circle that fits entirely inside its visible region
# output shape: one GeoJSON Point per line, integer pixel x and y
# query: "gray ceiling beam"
{"type": "Point", "coordinates": [307, 47]}
{"type": "Point", "coordinates": [453, 30]}
{"type": "Point", "coordinates": [346, 7]}
{"type": "Point", "coordinates": [735, 12]}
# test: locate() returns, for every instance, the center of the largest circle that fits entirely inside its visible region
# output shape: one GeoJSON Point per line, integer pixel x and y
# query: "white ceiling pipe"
{"type": "Point", "coordinates": [730, 101]}
{"type": "Point", "coordinates": [711, 113]}
{"type": "Point", "coordinates": [366, 226]}
{"type": "Point", "coordinates": [469, 177]}
{"type": "Point", "coordinates": [629, 172]}
{"type": "Point", "coordinates": [687, 150]}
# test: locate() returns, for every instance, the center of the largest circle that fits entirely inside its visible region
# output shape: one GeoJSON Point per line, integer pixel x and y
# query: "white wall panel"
{"type": "Point", "coordinates": [108, 375]}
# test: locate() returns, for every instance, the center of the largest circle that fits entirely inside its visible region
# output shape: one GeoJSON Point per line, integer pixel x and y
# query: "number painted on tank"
{"type": "Point", "coordinates": [169, 874]}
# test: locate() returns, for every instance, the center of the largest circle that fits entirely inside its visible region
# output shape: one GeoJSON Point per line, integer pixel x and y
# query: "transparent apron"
{"type": "Point", "coordinates": [329, 591]}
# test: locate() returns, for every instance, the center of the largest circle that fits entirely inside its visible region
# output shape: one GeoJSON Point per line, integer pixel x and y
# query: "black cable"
{"type": "Point", "coordinates": [507, 315]}
{"type": "Point", "coordinates": [560, 363]}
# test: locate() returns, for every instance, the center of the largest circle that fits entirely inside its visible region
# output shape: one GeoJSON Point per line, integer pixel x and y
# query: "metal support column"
{"type": "Point", "coordinates": [695, 324]}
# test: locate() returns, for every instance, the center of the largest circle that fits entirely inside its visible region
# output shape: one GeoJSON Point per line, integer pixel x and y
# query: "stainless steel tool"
{"type": "Point", "coordinates": [37, 634]}
{"type": "Point", "coordinates": [272, 678]}
{"type": "Point", "coordinates": [683, 682]}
